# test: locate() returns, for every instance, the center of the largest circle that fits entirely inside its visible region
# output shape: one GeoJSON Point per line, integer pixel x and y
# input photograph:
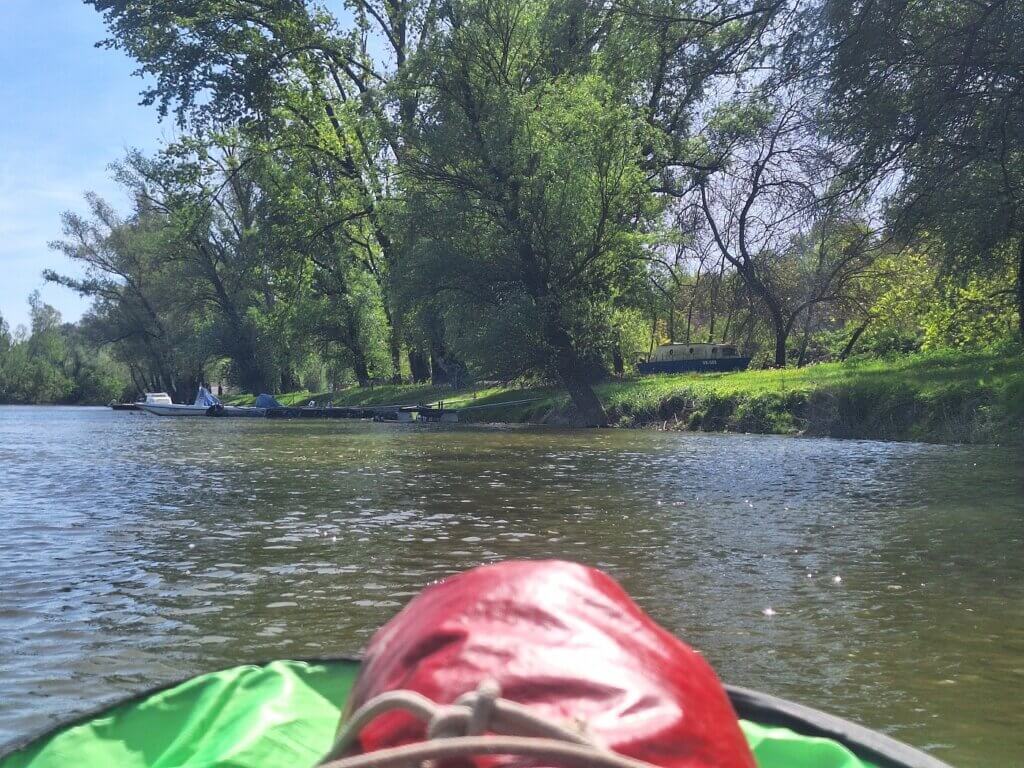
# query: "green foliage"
{"type": "Point", "coordinates": [54, 363]}
{"type": "Point", "coordinates": [912, 303]}
{"type": "Point", "coordinates": [972, 310]}
{"type": "Point", "coordinates": [931, 89]}
{"type": "Point", "coordinates": [541, 189]}
{"type": "Point", "coordinates": [631, 334]}
{"type": "Point", "coordinates": [526, 191]}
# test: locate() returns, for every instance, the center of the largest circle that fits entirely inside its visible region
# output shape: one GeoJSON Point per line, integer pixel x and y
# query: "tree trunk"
{"type": "Point", "coordinates": [618, 364]}
{"type": "Point", "coordinates": [588, 406]}
{"type": "Point", "coordinates": [693, 302]}
{"type": "Point", "coordinates": [442, 368]}
{"type": "Point", "coordinates": [779, 324]}
{"type": "Point", "coordinates": [781, 336]}
{"type": "Point", "coordinates": [589, 409]}
{"type": "Point", "coordinates": [438, 370]}
{"type": "Point", "coordinates": [853, 339]}
{"type": "Point", "coordinates": [250, 376]}
{"type": "Point", "coordinates": [654, 332]}
{"type": "Point", "coordinates": [289, 381]}
{"type": "Point", "coordinates": [395, 347]}
{"type": "Point", "coordinates": [360, 369]}
{"type": "Point", "coordinates": [445, 370]}
{"type": "Point", "coordinates": [1020, 284]}
{"type": "Point", "coordinates": [780, 348]}
{"type": "Point", "coordinates": [715, 291]}
{"type": "Point", "coordinates": [419, 365]}
{"type": "Point", "coordinates": [567, 362]}
{"type": "Point", "coordinates": [802, 358]}
{"type": "Point", "coordinates": [749, 326]}
{"type": "Point", "coordinates": [571, 371]}
{"type": "Point", "coordinates": [729, 315]}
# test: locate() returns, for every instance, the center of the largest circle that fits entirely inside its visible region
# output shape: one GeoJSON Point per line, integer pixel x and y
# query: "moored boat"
{"type": "Point", "coordinates": [694, 358]}
{"type": "Point", "coordinates": [160, 404]}
{"type": "Point", "coordinates": [236, 411]}
{"type": "Point", "coordinates": [115, 406]}
{"type": "Point", "coordinates": [286, 713]}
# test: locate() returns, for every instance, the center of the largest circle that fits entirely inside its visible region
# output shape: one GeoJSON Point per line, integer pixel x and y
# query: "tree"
{"type": "Point", "coordinates": [216, 211]}
{"type": "Point", "coordinates": [54, 362]}
{"type": "Point", "coordinates": [292, 72]}
{"type": "Point", "coordinates": [5, 336]}
{"type": "Point", "coordinates": [775, 205]}
{"type": "Point", "coordinates": [345, 317]}
{"type": "Point", "coordinates": [290, 66]}
{"type": "Point", "coordinates": [142, 305]}
{"type": "Point", "coordinates": [322, 221]}
{"type": "Point", "coordinates": [526, 176]}
{"type": "Point", "coordinates": [932, 93]}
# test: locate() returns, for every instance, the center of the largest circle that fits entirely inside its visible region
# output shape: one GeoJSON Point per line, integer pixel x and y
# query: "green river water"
{"type": "Point", "coordinates": [136, 550]}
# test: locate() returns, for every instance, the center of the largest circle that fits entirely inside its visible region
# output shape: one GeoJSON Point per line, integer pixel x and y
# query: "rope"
{"type": "Point", "coordinates": [550, 751]}
{"type": "Point", "coordinates": [456, 730]}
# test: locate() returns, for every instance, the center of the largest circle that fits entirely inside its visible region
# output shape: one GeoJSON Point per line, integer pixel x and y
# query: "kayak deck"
{"type": "Point", "coordinates": [286, 713]}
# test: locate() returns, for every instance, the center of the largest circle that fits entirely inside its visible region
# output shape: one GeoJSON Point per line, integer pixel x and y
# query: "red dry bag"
{"type": "Point", "coordinates": [566, 641]}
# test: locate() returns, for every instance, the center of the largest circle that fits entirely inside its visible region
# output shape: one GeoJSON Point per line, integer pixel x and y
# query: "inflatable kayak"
{"type": "Point", "coordinates": [286, 713]}
{"type": "Point", "coordinates": [520, 663]}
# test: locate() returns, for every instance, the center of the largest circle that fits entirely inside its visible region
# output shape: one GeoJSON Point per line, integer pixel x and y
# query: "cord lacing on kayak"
{"type": "Point", "coordinates": [457, 730]}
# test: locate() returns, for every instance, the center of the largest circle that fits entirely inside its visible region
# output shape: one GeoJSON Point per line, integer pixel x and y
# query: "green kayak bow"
{"type": "Point", "coordinates": [285, 714]}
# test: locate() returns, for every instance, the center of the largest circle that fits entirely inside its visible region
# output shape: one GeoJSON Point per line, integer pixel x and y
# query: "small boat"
{"type": "Point", "coordinates": [236, 411]}
{"type": "Point", "coordinates": [286, 713]}
{"type": "Point", "coordinates": [160, 404]}
{"type": "Point", "coordinates": [694, 358]}
{"type": "Point", "coordinates": [124, 406]}
{"type": "Point", "coordinates": [259, 409]}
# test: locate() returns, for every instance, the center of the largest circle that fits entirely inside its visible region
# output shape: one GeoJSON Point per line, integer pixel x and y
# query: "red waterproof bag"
{"type": "Point", "coordinates": [566, 641]}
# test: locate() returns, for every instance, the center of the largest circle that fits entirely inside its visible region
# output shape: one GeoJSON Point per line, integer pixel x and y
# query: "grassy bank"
{"type": "Point", "coordinates": [936, 398]}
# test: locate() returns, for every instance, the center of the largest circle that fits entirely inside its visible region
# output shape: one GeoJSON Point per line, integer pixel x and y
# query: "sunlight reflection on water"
{"type": "Point", "coordinates": [880, 581]}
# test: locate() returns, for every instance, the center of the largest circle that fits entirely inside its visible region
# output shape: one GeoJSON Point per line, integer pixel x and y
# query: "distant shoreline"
{"type": "Point", "coordinates": [947, 398]}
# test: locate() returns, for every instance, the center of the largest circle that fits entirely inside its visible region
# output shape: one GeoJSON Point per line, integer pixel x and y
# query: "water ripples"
{"type": "Point", "coordinates": [139, 550]}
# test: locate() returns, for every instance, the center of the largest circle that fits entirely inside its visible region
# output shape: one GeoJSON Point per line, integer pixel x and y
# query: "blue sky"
{"type": "Point", "coordinates": [67, 110]}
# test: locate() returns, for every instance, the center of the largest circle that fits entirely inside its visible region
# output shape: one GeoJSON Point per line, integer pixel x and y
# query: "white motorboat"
{"type": "Point", "coordinates": [160, 404]}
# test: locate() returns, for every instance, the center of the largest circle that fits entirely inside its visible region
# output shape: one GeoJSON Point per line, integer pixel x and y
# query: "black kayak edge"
{"type": "Point", "coordinates": [761, 708]}
{"type": "Point", "coordinates": [877, 748]}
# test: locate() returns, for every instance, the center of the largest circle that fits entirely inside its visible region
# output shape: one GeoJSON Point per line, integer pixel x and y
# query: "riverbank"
{"type": "Point", "coordinates": [944, 398]}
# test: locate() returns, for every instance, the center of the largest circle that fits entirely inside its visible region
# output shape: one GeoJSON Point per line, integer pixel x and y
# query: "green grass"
{"type": "Point", "coordinates": [945, 397]}
{"type": "Point", "coordinates": [939, 397]}
{"type": "Point", "coordinates": [385, 394]}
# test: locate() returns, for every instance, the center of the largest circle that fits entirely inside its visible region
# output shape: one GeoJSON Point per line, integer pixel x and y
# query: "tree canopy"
{"type": "Point", "coordinates": [545, 189]}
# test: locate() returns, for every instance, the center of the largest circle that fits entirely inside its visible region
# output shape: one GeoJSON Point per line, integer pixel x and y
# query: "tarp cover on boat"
{"type": "Point", "coordinates": [206, 397]}
{"type": "Point", "coordinates": [285, 714]}
{"type": "Point", "coordinates": [267, 401]}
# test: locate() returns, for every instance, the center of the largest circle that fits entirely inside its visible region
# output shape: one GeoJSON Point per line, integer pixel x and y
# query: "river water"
{"type": "Point", "coordinates": [137, 550]}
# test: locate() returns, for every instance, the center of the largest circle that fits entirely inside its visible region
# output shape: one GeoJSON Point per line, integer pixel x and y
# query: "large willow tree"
{"type": "Point", "coordinates": [527, 173]}
{"type": "Point", "coordinates": [292, 70]}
